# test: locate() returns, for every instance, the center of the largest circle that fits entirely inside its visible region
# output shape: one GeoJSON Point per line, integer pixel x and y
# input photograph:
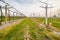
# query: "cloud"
{"type": "Point", "coordinates": [29, 7]}
{"type": "Point", "coordinates": [24, 1]}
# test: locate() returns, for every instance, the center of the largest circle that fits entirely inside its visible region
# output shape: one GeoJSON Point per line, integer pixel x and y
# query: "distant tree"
{"type": "Point", "coordinates": [54, 15]}
{"type": "Point", "coordinates": [58, 14]}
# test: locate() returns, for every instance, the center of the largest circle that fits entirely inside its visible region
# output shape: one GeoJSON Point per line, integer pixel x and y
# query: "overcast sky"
{"type": "Point", "coordinates": [28, 7]}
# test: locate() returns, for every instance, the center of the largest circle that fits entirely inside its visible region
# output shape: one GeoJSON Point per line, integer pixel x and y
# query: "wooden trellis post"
{"type": "Point", "coordinates": [6, 14]}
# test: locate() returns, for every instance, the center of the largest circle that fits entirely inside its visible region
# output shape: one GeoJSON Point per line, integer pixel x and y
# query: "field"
{"type": "Point", "coordinates": [55, 21]}
{"type": "Point", "coordinates": [29, 29]}
{"type": "Point", "coordinates": [2, 19]}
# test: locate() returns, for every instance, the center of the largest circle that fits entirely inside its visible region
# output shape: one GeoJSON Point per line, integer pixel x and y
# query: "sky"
{"type": "Point", "coordinates": [30, 7]}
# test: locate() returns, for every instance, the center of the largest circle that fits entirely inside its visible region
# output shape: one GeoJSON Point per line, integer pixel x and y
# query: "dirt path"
{"type": "Point", "coordinates": [10, 24]}
{"type": "Point", "coordinates": [27, 35]}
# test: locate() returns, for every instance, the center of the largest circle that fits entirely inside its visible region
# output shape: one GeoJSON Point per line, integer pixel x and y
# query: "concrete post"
{"type": "Point", "coordinates": [46, 15]}
{"type": "Point", "coordinates": [6, 14]}
{"type": "Point", "coordinates": [9, 15]}
{"type": "Point", "coordinates": [13, 16]}
{"type": "Point", "coordinates": [0, 15]}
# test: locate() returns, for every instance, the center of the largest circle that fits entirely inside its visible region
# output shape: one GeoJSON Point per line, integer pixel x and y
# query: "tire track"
{"type": "Point", "coordinates": [27, 35]}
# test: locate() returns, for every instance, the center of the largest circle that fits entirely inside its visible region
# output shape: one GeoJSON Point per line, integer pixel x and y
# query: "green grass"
{"type": "Point", "coordinates": [55, 21]}
{"type": "Point", "coordinates": [9, 18]}
{"type": "Point", "coordinates": [17, 32]}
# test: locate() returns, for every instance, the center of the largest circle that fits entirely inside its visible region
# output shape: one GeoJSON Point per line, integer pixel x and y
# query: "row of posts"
{"type": "Point", "coordinates": [7, 14]}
